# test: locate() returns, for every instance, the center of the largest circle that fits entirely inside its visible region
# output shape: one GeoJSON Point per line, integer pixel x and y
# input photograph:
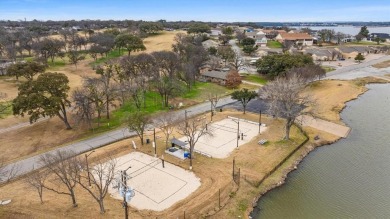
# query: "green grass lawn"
{"type": "Point", "coordinates": [111, 55]}
{"type": "Point", "coordinates": [5, 109]}
{"type": "Point", "coordinates": [118, 116]}
{"type": "Point", "coordinates": [274, 44]}
{"type": "Point", "coordinates": [56, 64]}
{"type": "Point", "coordinates": [201, 90]}
{"type": "Point", "coordinates": [255, 78]}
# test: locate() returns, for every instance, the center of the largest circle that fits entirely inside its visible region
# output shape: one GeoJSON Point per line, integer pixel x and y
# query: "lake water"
{"type": "Point", "coordinates": [348, 179]}
{"type": "Point", "coordinates": [351, 30]}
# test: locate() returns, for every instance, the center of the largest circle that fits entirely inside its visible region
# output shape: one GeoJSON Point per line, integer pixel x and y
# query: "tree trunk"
{"type": "Point", "coordinates": [191, 151]}
{"type": "Point", "coordinates": [107, 108]}
{"type": "Point", "coordinates": [289, 123]}
{"type": "Point", "coordinates": [40, 192]}
{"type": "Point", "coordinates": [73, 198]}
{"type": "Point", "coordinates": [101, 205]}
{"type": "Point", "coordinates": [141, 137]}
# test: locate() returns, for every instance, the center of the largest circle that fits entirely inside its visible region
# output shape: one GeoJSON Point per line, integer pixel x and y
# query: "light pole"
{"type": "Point", "coordinates": [86, 161]}
{"type": "Point", "coordinates": [238, 129]}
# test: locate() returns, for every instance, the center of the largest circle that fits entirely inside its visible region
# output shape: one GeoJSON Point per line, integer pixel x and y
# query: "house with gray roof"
{"type": "Point", "coordinates": [218, 77]}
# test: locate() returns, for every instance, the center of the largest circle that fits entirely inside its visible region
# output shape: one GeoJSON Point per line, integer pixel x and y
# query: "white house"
{"type": "Point", "coordinates": [261, 39]}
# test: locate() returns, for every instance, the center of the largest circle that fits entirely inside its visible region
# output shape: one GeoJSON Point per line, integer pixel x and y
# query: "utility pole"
{"type": "Point", "coordinates": [125, 190]}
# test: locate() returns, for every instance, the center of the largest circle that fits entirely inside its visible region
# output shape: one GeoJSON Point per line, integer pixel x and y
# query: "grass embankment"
{"type": "Point", "coordinates": [384, 64]}
{"type": "Point", "coordinates": [274, 44]}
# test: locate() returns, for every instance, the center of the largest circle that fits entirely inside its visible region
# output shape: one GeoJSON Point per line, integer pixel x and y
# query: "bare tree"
{"type": "Point", "coordinates": [307, 73]}
{"type": "Point", "coordinates": [213, 98]}
{"type": "Point", "coordinates": [240, 35]}
{"type": "Point", "coordinates": [84, 107]}
{"type": "Point", "coordinates": [137, 122]}
{"type": "Point", "coordinates": [65, 167]}
{"type": "Point", "coordinates": [37, 181]}
{"type": "Point", "coordinates": [193, 129]}
{"type": "Point", "coordinates": [237, 62]}
{"type": "Point", "coordinates": [214, 62]}
{"type": "Point", "coordinates": [285, 99]}
{"type": "Point", "coordinates": [166, 122]}
{"type": "Point", "coordinates": [109, 89]}
{"type": "Point", "coordinates": [100, 176]}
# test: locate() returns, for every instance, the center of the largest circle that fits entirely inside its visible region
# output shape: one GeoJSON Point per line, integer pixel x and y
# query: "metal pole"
{"type": "Point", "coordinates": [155, 144]}
{"type": "Point", "coordinates": [184, 214]}
{"type": "Point", "coordinates": [238, 131]}
{"type": "Point", "coordinates": [234, 161]}
{"type": "Point", "coordinates": [124, 178]}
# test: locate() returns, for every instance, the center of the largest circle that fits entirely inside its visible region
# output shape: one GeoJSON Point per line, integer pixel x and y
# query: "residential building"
{"type": "Point", "coordinates": [218, 77]}
{"type": "Point", "coordinates": [384, 36]}
{"type": "Point", "coordinates": [261, 39]}
{"type": "Point", "coordinates": [271, 34]}
{"type": "Point", "coordinates": [301, 39]}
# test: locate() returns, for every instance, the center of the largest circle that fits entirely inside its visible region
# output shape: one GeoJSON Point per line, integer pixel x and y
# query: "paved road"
{"type": "Point", "coordinates": [28, 164]}
{"type": "Point", "coordinates": [361, 70]}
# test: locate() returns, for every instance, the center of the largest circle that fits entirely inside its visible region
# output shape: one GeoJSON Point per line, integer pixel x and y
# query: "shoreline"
{"type": "Point", "coordinates": [305, 150]}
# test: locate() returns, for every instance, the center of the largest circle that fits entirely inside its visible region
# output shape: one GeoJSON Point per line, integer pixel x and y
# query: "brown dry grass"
{"type": "Point", "coordinates": [37, 138]}
{"type": "Point", "coordinates": [384, 64]}
{"type": "Point", "coordinates": [330, 97]}
{"type": "Point", "coordinates": [160, 42]}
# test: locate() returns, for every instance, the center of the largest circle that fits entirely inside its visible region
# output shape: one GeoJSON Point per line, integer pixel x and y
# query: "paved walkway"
{"type": "Point", "coordinates": [252, 83]}
{"type": "Point", "coordinates": [330, 127]}
{"type": "Point", "coordinates": [20, 125]}
{"type": "Point", "coordinates": [26, 165]}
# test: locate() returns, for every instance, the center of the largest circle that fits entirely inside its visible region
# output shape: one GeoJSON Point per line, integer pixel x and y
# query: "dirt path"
{"type": "Point", "coordinates": [320, 124]}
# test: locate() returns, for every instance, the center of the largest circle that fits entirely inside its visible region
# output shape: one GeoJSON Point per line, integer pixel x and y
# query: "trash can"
{"type": "Point", "coordinates": [220, 110]}
{"type": "Point", "coordinates": [147, 141]}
